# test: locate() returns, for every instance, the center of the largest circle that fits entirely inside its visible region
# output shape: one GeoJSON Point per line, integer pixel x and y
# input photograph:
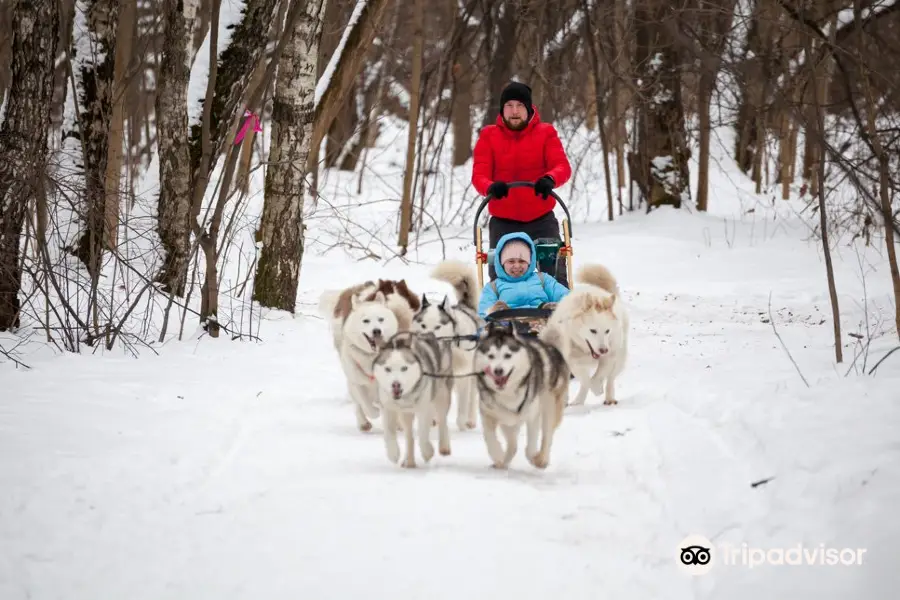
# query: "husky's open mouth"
{"type": "Point", "coordinates": [594, 354]}
{"type": "Point", "coordinates": [499, 380]}
{"type": "Point", "coordinates": [396, 390]}
{"type": "Point", "coordinates": [373, 341]}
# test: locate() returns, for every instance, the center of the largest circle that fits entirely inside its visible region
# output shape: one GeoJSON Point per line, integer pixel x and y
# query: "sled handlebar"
{"type": "Point", "coordinates": [518, 184]}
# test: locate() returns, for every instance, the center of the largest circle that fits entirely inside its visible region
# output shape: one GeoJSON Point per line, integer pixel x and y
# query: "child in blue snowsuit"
{"type": "Point", "coordinates": [518, 283]}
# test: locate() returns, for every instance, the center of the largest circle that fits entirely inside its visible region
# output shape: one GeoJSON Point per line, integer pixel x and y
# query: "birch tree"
{"type": "Point", "coordinates": [23, 137]}
{"type": "Point", "coordinates": [281, 229]}
{"type": "Point", "coordinates": [178, 19]}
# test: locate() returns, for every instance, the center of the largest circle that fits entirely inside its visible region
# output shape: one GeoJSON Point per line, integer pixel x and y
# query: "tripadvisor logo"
{"type": "Point", "coordinates": [697, 555]}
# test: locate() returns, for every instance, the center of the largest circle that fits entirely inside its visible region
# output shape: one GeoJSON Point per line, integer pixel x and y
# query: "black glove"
{"type": "Point", "coordinates": [498, 189]}
{"type": "Point", "coordinates": [543, 186]}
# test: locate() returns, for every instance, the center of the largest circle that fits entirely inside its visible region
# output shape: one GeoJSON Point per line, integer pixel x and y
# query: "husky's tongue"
{"type": "Point", "coordinates": [499, 380]}
{"type": "Point", "coordinates": [373, 341]}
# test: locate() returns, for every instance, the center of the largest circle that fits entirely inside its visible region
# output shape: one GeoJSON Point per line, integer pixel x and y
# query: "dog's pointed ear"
{"type": "Point", "coordinates": [380, 297]}
{"type": "Point", "coordinates": [444, 306]}
{"type": "Point", "coordinates": [425, 301]}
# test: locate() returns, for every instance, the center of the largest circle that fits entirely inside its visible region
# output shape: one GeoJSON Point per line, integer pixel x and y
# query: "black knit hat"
{"type": "Point", "coordinates": [517, 91]}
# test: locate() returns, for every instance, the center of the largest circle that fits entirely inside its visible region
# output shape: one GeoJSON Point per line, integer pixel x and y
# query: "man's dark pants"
{"type": "Point", "coordinates": [545, 226]}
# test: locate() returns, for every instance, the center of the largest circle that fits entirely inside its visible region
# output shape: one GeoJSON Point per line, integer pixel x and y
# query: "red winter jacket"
{"type": "Point", "coordinates": [502, 154]}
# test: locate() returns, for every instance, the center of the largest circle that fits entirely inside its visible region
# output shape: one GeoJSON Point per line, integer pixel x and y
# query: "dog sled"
{"type": "Point", "coordinates": [528, 320]}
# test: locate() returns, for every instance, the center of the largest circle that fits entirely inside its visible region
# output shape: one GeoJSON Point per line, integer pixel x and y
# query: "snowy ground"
{"type": "Point", "coordinates": [224, 470]}
{"type": "Point", "coordinates": [235, 470]}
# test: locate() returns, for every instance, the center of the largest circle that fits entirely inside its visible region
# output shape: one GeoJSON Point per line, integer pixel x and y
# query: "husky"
{"type": "Point", "coordinates": [367, 327]}
{"type": "Point", "coordinates": [590, 327]}
{"type": "Point", "coordinates": [413, 377]}
{"type": "Point", "coordinates": [448, 321]}
{"type": "Point", "coordinates": [520, 380]}
{"type": "Point", "coordinates": [336, 305]}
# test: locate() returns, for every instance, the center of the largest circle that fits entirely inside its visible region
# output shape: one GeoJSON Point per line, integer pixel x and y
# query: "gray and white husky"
{"type": "Point", "coordinates": [521, 380]}
{"type": "Point", "coordinates": [447, 321]}
{"type": "Point", "coordinates": [412, 374]}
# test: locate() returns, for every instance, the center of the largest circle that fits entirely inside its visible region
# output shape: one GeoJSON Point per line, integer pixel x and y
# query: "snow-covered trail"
{"type": "Point", "coordinates": [235, 470]}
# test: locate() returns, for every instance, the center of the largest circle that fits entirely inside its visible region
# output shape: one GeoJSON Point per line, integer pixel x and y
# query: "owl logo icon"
{"type": "Point", "coordinates": [695, 555]}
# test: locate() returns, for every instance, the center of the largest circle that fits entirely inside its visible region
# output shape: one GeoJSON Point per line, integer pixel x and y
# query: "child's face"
{"type": "Point", "coordinates": [515, 267]}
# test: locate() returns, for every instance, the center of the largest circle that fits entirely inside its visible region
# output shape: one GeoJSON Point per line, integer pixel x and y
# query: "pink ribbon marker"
{"type": "Point", "coordinates": [257, 127]}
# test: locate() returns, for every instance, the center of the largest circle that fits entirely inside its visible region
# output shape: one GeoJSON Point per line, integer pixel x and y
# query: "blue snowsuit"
{"type": "Point", "coordinates": [520, 292]}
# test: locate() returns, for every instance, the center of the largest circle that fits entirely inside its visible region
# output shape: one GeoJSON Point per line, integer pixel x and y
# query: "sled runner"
{"type": "Point", "coordinates": [528, 320]}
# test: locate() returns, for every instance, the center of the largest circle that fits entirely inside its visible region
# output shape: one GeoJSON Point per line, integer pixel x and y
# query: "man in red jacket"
{"type": "Point", "coordinates": [519, 147]}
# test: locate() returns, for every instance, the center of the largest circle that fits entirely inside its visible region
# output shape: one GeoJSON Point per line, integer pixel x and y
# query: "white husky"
{"type": "Point", "coordinates": [457, 321]}
{"type": "Point", "coordinates": [412, 373]}
{"type": "Point", "coordinates": [367, 326]}
{"type": "Point", "coordinates": [590, 328]}
{"type": "Point", "coordinates": [335, 305]}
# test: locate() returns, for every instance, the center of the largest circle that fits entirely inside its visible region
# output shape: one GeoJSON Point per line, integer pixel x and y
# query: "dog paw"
{"type": "Point", "coordinates": [539, 460]}
{"type": "Point", "coordinates": [444, 450]}
{"type": "Point", "coordinates": [365, 426]}
{"type": "Point", "coordinates": [465, 425]}
{"type": "Point", "coordinates": [393, 455]}
{"type": "Point", "coordinates": [610, 401]}
{"type": "Point", "coordinates": [409, 463]}
{"type": "Point", "coordinates": [427, 451]}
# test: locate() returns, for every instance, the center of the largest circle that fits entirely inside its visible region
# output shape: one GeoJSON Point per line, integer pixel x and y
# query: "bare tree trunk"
{"type": "Point", "coordinates": [884, 171]}
{"type": "Point", "coordinates": [125, 22]}
{"type": "Point", "coordinates": [96, 88]}
{"type": "Point", "coordinates": [500, 57]}
{"type": "Point", "coordinates": [61, 75]}
{"type": "Point", "coordinates": [341, 131]}
{"type": "Point", "coordinates": [704, 96]}
{"type": "Point", "coordinates": [246, 160]}
{"type": "Point", "coordinates": [884, 185]}
{"type": "Point", "coordinates": [178, 18]}
{"type": "Point", "coordinates": [621, 93]}
{"type": "Point", "coordinates": [599, 103]}
{"type": "Point", "coordinates": [415, 93]}
{"type": "Point", "coordinates": [6, 12]}
{"type": "Point", "coordinates": [23, 138]}
{"type": "Point", "coordinates": [233, 75]}
{"type": "Point", "coordinates": [255, 21]}
{"type": "Point", "coordinates": [785, 155]}
{"type": "Point", "coordinates": [714, 19]}
{"type": "Point", "coordinates": [819, 132]}
{"type": "Point", "coordinates": [282, 228]}
{"type": "Point", "coordinates": [461, 111]}
{"type": "Point", "coordinates": [660, 164]}
{"type": "Point", "coordinates": [346, 70]}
